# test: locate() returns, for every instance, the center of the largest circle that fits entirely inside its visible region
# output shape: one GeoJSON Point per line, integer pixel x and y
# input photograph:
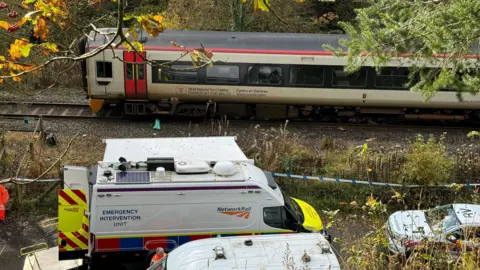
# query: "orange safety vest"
{"type": "Point", "coordinates": [157, 258]}
{"type": "Point", "coordinates": [3, 195]}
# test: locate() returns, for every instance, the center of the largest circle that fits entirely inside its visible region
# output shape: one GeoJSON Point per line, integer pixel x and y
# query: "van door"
{"type": "Point", "coordinates": [135, 75]}
{"type": "Point", "coordinates": [72, 223]}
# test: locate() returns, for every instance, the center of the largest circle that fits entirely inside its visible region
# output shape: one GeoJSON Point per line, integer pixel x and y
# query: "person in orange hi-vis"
{"type": "Point", "coordinates": [3, 201]}
{"type": "Point", "coordinates": [159, 254]}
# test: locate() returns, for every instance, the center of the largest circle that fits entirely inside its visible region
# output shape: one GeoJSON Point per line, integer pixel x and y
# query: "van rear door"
{"type": "Point", "coordinates": [72, 224]}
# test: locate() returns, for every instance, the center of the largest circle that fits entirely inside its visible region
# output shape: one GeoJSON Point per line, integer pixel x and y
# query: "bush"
{"type": "Point", "coordinates": [428, 162]}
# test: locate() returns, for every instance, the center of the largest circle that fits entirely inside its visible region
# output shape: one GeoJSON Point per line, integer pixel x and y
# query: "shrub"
{"type": "Point", "coordinates": [428, 162]}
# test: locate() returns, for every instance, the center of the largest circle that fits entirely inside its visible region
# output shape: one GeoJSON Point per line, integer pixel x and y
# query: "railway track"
{"type": "Point", "coordinates": [22, 110]}
{"type": "Point", "coordinates": [48, 110]}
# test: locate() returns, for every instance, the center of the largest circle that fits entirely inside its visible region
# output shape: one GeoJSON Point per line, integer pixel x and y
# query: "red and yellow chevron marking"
{"type": "Point", "coordinates": [241, 214]}
{"type": "Point", "coordinates": [71, 197]}
{"type": "Point", "coordinates": [72, 203]}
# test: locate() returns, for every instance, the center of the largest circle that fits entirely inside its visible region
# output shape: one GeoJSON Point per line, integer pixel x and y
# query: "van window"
{"type": "Point", "coordinates": [104, 69]}
{"type": "Point", "coordinates": [264, 75]}
{"type": "Point", "coordinates": [278, 217]}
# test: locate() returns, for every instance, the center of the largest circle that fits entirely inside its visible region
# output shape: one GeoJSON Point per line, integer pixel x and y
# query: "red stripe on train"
{"type": "Point", "coordinates": [261, 51]}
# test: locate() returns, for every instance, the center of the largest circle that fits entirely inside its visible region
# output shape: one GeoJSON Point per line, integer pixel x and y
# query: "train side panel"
{"type": "Point", "coordinates": [106, 76]}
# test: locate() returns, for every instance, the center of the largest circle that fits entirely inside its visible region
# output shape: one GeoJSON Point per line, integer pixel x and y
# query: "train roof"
{"type": "Point", "coordinates": [232, 40]}
{"type": "Point", "coordinates": [255, 42]}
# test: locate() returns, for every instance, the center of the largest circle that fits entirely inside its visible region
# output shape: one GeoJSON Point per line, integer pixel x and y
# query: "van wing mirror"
{"type": "Point", "coordinates": [271, 182]}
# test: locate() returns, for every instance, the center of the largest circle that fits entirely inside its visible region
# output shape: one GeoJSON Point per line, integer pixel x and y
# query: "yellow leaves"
{"type": "Point", "coordinates": [151, 24]}
{"type": "Point", "coordinates": [4, 25]}
{"type": "Point", "coordinates": [22, 21]}
{"type": "Point", "coordinates": [157, 18]}
{"type": "Point", "coordinates": [131, 45]}
{"type": "Point", "coordinates": [371, 201]}
{"type": "Point", "coordinates": [176, 45]}
{"type": "Point", "coordinates": [50, 46]}
{"type": "Point", "coordinates": [19, 48]}
{"type": "Point", "coordinates": [40, 30]}
{"type": "Point", "coordinates": [2, 61]}
{"type": "Point", "coordinates": [15, 78]}
{"type": "Point", "coordinates": [25, 50]}
{"type": "Point", "coordinates": [262, 5]}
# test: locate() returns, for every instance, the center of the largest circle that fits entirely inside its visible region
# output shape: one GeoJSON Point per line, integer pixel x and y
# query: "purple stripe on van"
{"type": "Point", "coordinates": [176, 188]}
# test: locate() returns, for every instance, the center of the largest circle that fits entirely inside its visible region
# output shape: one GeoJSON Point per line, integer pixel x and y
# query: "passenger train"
{"type": "Point", "coordinates": [255, 76]}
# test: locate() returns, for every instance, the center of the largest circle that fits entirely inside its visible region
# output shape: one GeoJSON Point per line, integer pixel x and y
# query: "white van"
{"type": "Point", "coordinates": [174, 191]}
{"type": "Point", "coordinates": [299, 251]}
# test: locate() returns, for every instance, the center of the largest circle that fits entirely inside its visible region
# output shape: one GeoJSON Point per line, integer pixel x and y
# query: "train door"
{"type": "Point", "coordinates": [135, 75]}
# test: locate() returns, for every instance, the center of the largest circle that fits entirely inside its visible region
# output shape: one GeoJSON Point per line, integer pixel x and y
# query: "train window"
{"type": "Point", "coordinates": [129, 71]}
{"type": "Point", "coordinates": [170, 75]}
{"type": "Point", "coordinates": [141, 72]}
{"type": "Point", "coordinates": [104, 69]}
{"type": "Point", "coordinates": [306, 75]}
{"type": "Point", "coordinates": [223, 74]}
{"type": "Point", "coordinates": [392, 77]}
{"type": "Point", "coordinates": [264, 75]}
{"type": "Point", "coordinates": [341, 79]}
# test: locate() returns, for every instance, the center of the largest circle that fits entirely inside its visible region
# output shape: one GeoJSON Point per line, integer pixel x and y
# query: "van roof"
{"type": "Point", "coordinates": [183, 148]}
{"type": "Point", "coordinates": [266, 252]}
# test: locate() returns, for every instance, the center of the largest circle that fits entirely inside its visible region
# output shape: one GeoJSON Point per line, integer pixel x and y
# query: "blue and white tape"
{"type": "Point", "coordinates": [25, 180]}
{"type": "Point", "coordinates": [303, 177]}
{"type": "Point", "coordinates": [340, 180]}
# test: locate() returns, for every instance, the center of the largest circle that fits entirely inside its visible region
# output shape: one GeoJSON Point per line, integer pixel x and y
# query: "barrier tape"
{"type": "Point", "coordinates": [304, 177]}
{"type": "Point", "coordinates": [340, 180]}
{"type": "Point", "coordinates": [29, 180]}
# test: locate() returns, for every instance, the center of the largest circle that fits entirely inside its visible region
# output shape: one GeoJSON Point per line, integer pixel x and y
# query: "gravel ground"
{"type": "Point", "coordinates": [22, 231]}
{"type": "Point", "coordinates": [67, 95]}
{"type": "Point", "coordinates": [386, 137]}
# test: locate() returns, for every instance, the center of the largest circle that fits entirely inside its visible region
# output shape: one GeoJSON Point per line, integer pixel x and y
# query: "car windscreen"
{"type": "Point", "coordinates": [442, 219]}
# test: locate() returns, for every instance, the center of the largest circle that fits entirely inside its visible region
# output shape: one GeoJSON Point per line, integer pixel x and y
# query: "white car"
{"type": "Point", "coordinates": [443, 224]}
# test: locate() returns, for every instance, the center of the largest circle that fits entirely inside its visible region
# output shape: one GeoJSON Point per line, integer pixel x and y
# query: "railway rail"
{"type": "Point", "coordinates": [49, 110]}
{"type": "Point", "coordinates": [22, 110]}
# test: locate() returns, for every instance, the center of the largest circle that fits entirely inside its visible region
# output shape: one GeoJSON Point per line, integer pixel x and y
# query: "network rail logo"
{"type": "Point", "coordinates": [241, 212]}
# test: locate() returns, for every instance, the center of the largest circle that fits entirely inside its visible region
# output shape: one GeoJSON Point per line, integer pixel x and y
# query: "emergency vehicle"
{"type": "Point", "coordinates": [309, 250]}
{"type": "Point", "coordinates": [164, 192]}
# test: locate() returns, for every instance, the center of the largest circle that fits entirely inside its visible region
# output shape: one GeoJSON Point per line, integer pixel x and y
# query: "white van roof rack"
{"type": "Point", "coordinates": [209, 149]}
{"type": "Point", "coordinates": [172, 160]}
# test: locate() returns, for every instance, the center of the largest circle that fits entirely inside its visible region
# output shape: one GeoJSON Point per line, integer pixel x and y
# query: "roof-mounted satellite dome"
{"type": "Point", "coordinates": [225, 168]}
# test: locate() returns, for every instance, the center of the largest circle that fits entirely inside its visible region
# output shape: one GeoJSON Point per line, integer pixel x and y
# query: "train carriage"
{"type": "Point", "coordinates": [261, 75]}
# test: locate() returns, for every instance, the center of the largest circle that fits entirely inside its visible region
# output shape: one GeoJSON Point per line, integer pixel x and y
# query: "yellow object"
{"type": "Point", "coordinates": [96, 104]}
{"type": "Point", "coordinates": [72, 220]}
{"type": "Point", "coordinates": [41, 246]}
{"type": "Point", "coordinates": [49, 222]}
{"type": "Point", "coordinates": [312, 219]}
